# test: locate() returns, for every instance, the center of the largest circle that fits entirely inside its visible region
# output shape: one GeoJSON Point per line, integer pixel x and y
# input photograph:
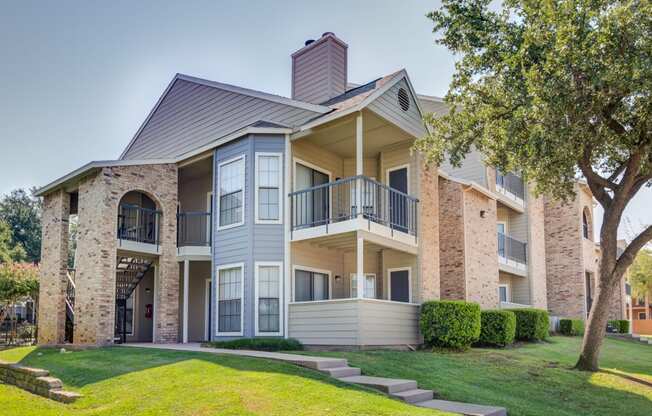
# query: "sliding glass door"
{"type": "Point", "coordinates": [311, 208]}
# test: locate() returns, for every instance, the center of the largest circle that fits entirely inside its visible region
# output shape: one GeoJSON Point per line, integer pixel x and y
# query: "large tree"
{"type": "Point", "coordinates": [22, 212]}
{"type": "Point", "coordinates": [556, 90]}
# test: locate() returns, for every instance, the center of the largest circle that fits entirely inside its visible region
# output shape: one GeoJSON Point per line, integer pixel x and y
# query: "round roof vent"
{"type": "Point", "coordinates": [403, 99]}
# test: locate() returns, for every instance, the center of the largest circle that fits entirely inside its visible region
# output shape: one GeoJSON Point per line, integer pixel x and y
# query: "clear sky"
{"type": "Point", "coordinates": [78, 78]}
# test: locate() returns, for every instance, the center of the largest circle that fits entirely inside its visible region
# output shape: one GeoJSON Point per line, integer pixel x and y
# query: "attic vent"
{"type": "Point", "coordinates": [403, 99]}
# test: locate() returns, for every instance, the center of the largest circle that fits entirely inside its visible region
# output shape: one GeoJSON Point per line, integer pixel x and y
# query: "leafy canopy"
{"type": "Point", "coordinates": [640, 273]}
{"type": "Point", "coordinates": [9, 252]}
{"type": "Point", "coordinates": [18, 280]}
{"type": "Point", "coordinates": [22, 212]}
{"type": "Point", "coordinates": [545, 86]}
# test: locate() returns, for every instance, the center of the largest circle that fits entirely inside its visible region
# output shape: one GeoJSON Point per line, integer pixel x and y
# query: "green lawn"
{"type": "Point", "coordinates": [531, 380]}
{"type": "Point", "coordinates": [129, 381]}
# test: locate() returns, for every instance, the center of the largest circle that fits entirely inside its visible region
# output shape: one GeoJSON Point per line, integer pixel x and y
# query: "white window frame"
{"type": "Point", "coordinates": [280, 188]}
{"type": "Point", "coordinates": [389, 282]}
{"type": "Point", "coordinates": [241, 266]}
{"type": "Point", "coordinates": [296, 267]}
{"type": "Point", "coordinates": [351, 286]}
{"type": "Point", "coordinates": [207, 300]}
{"type": "Point", "coordinates": [507, 293]}
{"type": "Point", "coordinates": [281, 279]}
{"type": "Point", "coordinates": [209, 209]}
{"type": "Point", "coordinates": [244, 192]}
{"type": "Point", "coordinates": [504, 223]}
{"type": "Point", "coordinates": [296, 161]}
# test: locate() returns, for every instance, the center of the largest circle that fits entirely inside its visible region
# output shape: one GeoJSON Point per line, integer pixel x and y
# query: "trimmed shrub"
{"type": "Point", "coordinates": [258, 344]}
{"type": "Point", "coordinates": [621, 326]}
{"type": "Point", "coordinates": [571, 327]}
{"type": "Point", "coordinates": [531, 324]}
{"type": "Point", "coordinates": [450, 324]}
{"type": "Point", "coordinates": [497, 328]}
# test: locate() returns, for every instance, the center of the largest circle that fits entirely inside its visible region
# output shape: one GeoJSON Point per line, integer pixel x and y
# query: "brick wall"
{"type": "Point", "coordinates": [536, 250]}
{"type": "Point", "coordinates": [99, 196]}
{"type": "Point", "coordinates": [451, 240]}
{"type": "Point", "coordinates": [54, 263]}
{"type": "Point", "coordinates": [429, 233]}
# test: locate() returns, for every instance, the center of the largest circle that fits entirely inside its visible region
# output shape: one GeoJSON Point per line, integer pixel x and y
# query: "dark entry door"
{"type": "Point", "coordinates": [399, 281]}
{"type": "Point", "coordinates": [311, 207]}
{"type": "Point", "coordinates": [398, 212]}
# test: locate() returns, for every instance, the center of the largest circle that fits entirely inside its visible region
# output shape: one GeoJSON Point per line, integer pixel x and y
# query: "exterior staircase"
{"type": "Point", "coordinates": [70, 306]}
{"type": "Point", "coordinates": [129, 272]}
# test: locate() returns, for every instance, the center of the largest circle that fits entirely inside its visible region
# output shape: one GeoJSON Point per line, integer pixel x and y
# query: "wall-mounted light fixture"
{"type": "Point", "coordinates": [483, 213]}
{"type": "Point", "coordinates": [337, 278]}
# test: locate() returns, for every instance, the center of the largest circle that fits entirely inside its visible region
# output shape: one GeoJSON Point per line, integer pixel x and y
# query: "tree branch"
{"type": "Point", "coordinates": [627, 257]}
{"type": "Point", "coordinates": [596, 182]}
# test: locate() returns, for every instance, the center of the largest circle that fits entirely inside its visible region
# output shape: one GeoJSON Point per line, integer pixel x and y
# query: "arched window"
{"type": "Point", "coordinates": [138, 218]}
{"type": "Point", "coordinates": [586, 229]}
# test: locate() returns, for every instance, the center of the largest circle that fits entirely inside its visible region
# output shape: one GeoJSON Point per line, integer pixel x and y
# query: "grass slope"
{"type": "Point", "coordinates": [130, 381]}
{"type": "Point", "coordinates": [533, 380]}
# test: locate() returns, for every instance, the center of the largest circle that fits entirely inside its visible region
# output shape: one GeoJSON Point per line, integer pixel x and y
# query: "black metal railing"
{"type": "Point", "coordinates": [512, 249]}
{"type": "Point", "coordinates": [511, 183]}
{"type": "Point", "coordinates": [138, 224]}
{"type": "Point", "coordinates": [194, 229]}
{"type": "Point", "coordinates": [348, 198]}
{"type": "Point", "coordinates": [70, 290]}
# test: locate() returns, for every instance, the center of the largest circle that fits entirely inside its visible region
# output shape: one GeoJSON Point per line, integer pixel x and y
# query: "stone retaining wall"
{"type": "Point", "coordinates": [37, 381]}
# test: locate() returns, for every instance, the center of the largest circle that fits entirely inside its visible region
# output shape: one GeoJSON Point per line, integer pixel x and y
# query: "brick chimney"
{"type": "Point", "coordinates": [319, 69]}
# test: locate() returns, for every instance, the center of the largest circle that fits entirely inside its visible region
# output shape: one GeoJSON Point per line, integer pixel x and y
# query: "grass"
{"type": "Point", "coordinates": [532, 380]}
{"type": "Point", "coordinates": [131, 381]}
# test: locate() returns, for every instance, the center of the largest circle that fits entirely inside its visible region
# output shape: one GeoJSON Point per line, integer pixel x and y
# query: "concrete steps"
{"type": "Point", "coordinates": [414, 396]}
{"type": "Point", "coordinates": [463, 408]}
{"type": "Point", "coordinates": [386, 385]}
{"type": "Point", "coordinates": [339, 372]}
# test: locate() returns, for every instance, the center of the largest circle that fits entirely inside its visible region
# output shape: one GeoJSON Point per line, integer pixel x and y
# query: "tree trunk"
{"type": "Point", "coordinates": [596, 327]}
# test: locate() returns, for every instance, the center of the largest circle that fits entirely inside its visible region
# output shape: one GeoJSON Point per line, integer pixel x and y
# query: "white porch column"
{"type": "Point", "coordinates": [359, 161]}
{"type": "Point", "coordinates": [186, 285]}
{"type": "Point", "coordinates": [360, 267]}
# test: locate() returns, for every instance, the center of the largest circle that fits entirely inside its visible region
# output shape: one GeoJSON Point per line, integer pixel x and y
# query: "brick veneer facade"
{"type": "Point", "coordinates": [468, 246]}
{"type": "Point", "coordinates": [99, 196]}
{"type": "Point", "coordinates": [536, 250]}
{"type": "Point", "coordinates": [54, 262]}
{"type": "Point", "coordinates": [429, 229]}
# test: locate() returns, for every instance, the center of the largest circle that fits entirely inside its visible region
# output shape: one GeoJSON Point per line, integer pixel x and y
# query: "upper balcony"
{"type": "Point", "coordinates": [512, 255]}
{"type": "Point", "coordinates": [138, 228]}
{"type": "Point", "coordinates": [510, 189]}
{"type": "Point", "coordinates": [354, 203]}
{"type": "Point", "coordinates": [194, 236]}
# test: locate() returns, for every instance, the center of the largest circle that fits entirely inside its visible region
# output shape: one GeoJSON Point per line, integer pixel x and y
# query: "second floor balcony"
{"type": "Point", "coordinates": [354, 203]}
{"type": "Point", "coordinates": [194, 235]}
{"type": "Point", "coordinates": [512, 253]}
{"type": "Point", "coordinates": [511, 186]}
{"type": "Point", "coordinates": [138, 228]}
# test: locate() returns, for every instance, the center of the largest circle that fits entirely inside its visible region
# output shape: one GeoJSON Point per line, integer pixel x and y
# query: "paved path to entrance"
{"type": "Point", "coordinates": [405, 390]}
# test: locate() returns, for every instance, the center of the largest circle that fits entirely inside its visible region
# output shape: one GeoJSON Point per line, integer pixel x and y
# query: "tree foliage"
{"type": "Point", "coordinates": [555, 89]}
{"type": "Point", "coordinates": [640, 274]}
{"type": "Point", "coordinates": [9, 252]}
{"type": "Point", "coordinates": [22, 212]}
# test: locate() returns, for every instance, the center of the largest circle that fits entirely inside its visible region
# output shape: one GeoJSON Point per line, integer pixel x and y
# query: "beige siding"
{"type": "Point", "coordinates": [473, 169]}
{"type": "Point", "coordinates": [354, 322]}
{"type": "Point", "coordinates": [393, 259]}
{"type": "Point", "coordinates": [308, 255]}
{"type": "Point", "coordinates": [387, 107]}
{"type": "Point", "coordinates": [305, 151]}
{"type": "Point", "coordinates": [398, 156]}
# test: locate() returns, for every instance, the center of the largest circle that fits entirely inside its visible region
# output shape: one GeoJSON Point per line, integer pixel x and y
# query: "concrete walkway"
{"type": "Point", "coordinates": [405, 390]}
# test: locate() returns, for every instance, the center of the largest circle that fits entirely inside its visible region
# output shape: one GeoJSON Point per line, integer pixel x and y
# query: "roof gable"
{"type": "Point", "coordinates": [193, 112]}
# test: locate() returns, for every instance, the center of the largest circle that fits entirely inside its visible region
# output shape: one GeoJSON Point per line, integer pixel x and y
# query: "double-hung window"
{"type": "Point", "coordinates": [369, 286]}
{"type": "Point", "coordinates": [229, 299]}
{"type": "Point", "coordinates": [268, 188]}
{"type": "Point", "coordinates": [268, 298]}
{"type": "Point", "coordinates": [310, 285]}
{"type": "Point", "coordinates": [231, 176]}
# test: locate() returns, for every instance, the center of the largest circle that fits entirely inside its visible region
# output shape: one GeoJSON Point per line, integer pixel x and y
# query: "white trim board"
{"type": "Point", "coordinates": [257, 156]}
{"type": "Point", "coordinates": [296, 267]}
{"type": "Point", "coordinates": [281, 306]}
{"type": "Point", "coordinates": [243, 156]}
{"type": "Point", "coordinates": [389, 282]}
{"type": "Point", "coordinates": [241, 266]}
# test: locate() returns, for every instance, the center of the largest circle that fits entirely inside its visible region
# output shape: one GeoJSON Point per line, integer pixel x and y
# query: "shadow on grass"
{"type": "Point", "coordinates": [81, 368]}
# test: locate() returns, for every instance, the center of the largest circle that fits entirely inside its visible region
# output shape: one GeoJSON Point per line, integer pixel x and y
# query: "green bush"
{"type": "Point", "coordinates": [450, 324]}
{"type": "Point", "coordinates": [497, 327]}
{"type": "Point", "coordinates": [258, 344]}
{"type": "Point", "coordinates": [620, 325]}
{"type": "Point", "coordinates": [531, 324]}
{"type": "Point", "coordinates": [571, 327]}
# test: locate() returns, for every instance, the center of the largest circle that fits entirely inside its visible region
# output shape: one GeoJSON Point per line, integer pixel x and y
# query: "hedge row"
{"type": "Point", "coordinates": [621, 326]}
{"type": "Point", "coordinates": [458, 325]}
{"type": "Point", "coordinates": [571, 327]}
{"type": "Point", "coordinates": [258, 344]}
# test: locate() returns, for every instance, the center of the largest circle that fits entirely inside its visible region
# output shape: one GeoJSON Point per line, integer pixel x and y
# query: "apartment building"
{"type": "Point", "coordinates": [238, 213]}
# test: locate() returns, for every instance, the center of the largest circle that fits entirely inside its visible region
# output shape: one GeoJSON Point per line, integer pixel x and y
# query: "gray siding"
{"type": "Point", "coordinates": [192, 115]}
{"type": "Point", "coordinates": [319, 71]}
{"type": "Point", "coordinates": [249, 242]}
{"type": "Point", "coordinates": [387, 107]}
{"type": "Point", "coordinates": [473, 169]}
{"type": "Point", "coordinates": [354, 322]}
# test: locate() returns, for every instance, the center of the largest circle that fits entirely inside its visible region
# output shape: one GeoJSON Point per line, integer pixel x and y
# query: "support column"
{"type": "Point", "coordinates": [54, 266]}
{"type": "Point", "coordinates": [360, 267]}
{"type": "Point", "coordinates": [359, 163]}
{"type": "Point", "coordinates": [287, 259]}
{"type": "Point", "coordinates": [186, 289]}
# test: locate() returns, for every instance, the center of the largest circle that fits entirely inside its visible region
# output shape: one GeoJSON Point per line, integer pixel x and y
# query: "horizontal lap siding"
{"type": "Point", "coordinates": [473, 168]}
{"type": "Point", "coordinates": [192, 115]}
{"type": "Point", "coordinates": [315, 155]}
{"type": "Point", "coordinates": [388, 323]}
{"type": "Point", "coordinates": [328, 323]}
{"type": "Point", "coordinates": [387, 106]}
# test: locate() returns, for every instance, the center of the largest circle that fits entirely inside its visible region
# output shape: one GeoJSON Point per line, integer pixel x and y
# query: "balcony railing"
{"type": "Point", "coordinates": [138, 224]}
{"type": "Point", "coordinates": [512, 249]}
{"type": "Point", "coordinates": [194, 229]}
{"type": "Point", "coordinates": [510, 183]}
{"type": "Point", "coordinates": [338, 201]}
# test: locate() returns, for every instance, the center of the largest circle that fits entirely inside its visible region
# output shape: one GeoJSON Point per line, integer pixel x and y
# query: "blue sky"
{"type": "Point", "coordinates": [78, 78]}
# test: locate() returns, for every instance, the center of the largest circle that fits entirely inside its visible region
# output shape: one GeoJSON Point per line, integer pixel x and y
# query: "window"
{"type": "Point", "coordinates": [503, 292]}
{"type": "Point", "coordinates": [310, 285]}
{"type": "Point", "coordinates": [641, 315]}
{"type": "Point", "coordinates": [268, 187]}
{"type": "Point", "coordinates": [268, 298]}
{"type": "Point", "coordinates": [369, 286]}
{"type": "Point", "coordinates": [311, 208]}
{"type": "Point", "coordinates": [585, 225]}
{"type": "Point", "coordinates": [231, 194]}
{"type": "Point", "coordinates": [229, 300]}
